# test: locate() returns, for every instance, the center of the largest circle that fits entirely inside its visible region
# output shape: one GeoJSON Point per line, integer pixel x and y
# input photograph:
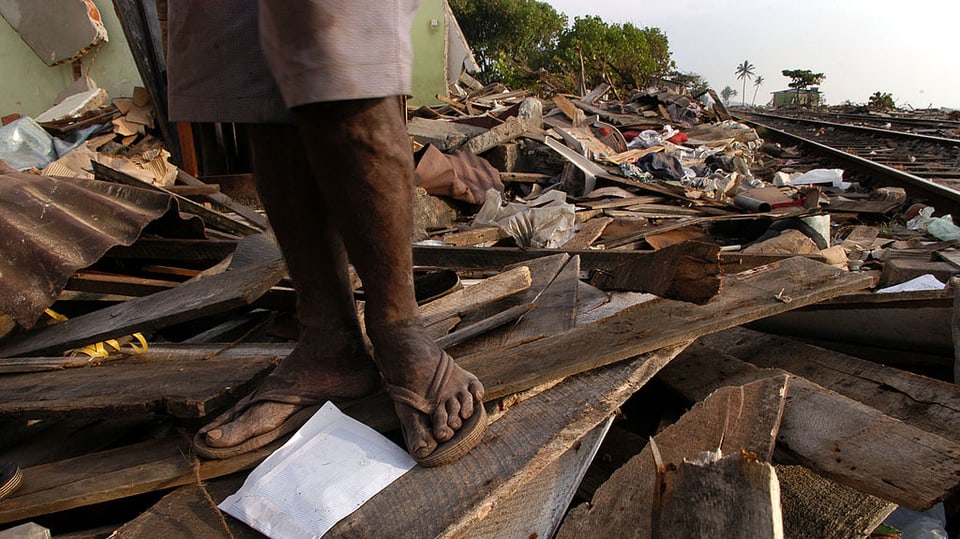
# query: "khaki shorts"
{"type": "Point", "coordinates": [237, 61]}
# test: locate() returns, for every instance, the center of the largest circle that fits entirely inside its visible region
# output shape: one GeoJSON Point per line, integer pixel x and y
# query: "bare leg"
{"type": "Point", "coordinates": [330, 360]}
{"type": "Point", "coordinates": [360, 152]}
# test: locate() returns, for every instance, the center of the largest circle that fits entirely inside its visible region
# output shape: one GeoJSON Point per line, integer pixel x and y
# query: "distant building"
{"type": "Point", "coordinates": [810, 96]}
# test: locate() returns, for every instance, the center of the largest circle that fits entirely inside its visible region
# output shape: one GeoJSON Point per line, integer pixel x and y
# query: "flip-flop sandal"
{"type": "Point", "coordinates": [466, 437]}
{"type": "Point", "coordinates": [289, 425]}
{"type": "Point", "coordinates": [10, 478]}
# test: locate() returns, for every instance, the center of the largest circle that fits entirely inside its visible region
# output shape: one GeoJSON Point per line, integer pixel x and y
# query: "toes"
{"type": "Point", "coordinates": [441, 424]}
{"type": "Point", "coordinates": [416, 433]}
{"type": "Point", "coordinates": [476, 389]}
{"type": "Point", "coordinates": [453, 414]}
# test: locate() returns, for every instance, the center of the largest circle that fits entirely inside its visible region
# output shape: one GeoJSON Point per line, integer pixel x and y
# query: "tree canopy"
{"type": "Point", "coordinates": [526, 43]}
{"type": "Point", "coordinates": [801, 79]}
{"type": "Point", "coordinates": [881, 101]}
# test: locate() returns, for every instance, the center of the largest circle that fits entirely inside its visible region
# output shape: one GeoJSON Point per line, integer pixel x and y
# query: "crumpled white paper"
{"type": "Point", "coordinates": [327, 470]}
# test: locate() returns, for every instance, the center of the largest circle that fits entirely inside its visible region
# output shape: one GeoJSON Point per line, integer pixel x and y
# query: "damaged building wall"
{"type": "Point", "coordinates": [35, 85]}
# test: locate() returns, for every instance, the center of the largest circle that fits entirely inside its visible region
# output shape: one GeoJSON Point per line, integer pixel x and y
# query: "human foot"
{"type": "Point", "coordinates": [285, 400]}
{"type": "Point", "coordinates": [439, 404]}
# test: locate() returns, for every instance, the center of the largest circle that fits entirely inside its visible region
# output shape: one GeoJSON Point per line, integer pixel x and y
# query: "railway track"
{"type": "Point", "coordinates": [927, 166]}
{"type": "Point", "coordinates": [940, 127]}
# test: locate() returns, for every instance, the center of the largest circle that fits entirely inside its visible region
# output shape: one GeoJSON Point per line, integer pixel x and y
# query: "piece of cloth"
{"type": "Point", "coordinates": [250, 62]}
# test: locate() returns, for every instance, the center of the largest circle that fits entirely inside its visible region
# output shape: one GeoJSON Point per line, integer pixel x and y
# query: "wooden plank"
{"type": "Point", "coordinates": [926, 403]}
{"type": "Point", "coordinates": [187, 387]}
{"type": "Point", "coordinates": [212, 218]}
{"type": "Point", "coordinates": [836, 436]}
{"type": "Point", "coordinates": [226, 202]}
{"type": "Point", "coordinates": [633, 332]}
{"type": "Point", "coordinates": [589, 233]}
{"type": "Point", "coordinates": [189, 301]}
{"type": "Point", "coordinates": [688, 272]}
{"type": "Point", "coordinates": [187, 513]}
{"type": "Point", "coordinates": [475, 236]}
{"type": "Point", "coordinates": [552, 296]}
{"type": "Point", "coordinates": [469, 298]}
{"type": "Point", "coordinates": [205, 251]}
{"type": "Point", "coordinates": [511, 452]}
{"type": "Point", "coordinates": [815, 506]}
{"type": "Point", "coordinates": [505, 132]}
{"type": "Point", "coordinates": [543, 500]}
{"type": "Point", "coordinates": [112, 283]}
{"type": "Point", "coordinates": [731, 419]}
{"type": "Point", "coordinates": [734, 495]}
{"type": "Point", "coordinates": [660, 323]}
{"type": "Point", "coordinates": [516, 449]}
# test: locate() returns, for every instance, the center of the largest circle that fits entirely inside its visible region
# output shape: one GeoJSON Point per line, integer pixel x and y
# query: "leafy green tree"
{"type": "Point", "coordinates": [510, 38]}
{"type": "Point", "coordinates": [881, 101]}
{"type": "Point", "coordinates": [801, 79]}
{"type": "Point", "coordinates": [744, 72]}
{"type": "Point", "coordinates": [757, 82]}
{"type": "Point", "coordinates": [526, 43]}
{"type": "Point", "coordinates": [693, 82]}
{"type": "Point", "coordinates": [622, 55]}
{"type": "Point", "coordinates": [726, 94]}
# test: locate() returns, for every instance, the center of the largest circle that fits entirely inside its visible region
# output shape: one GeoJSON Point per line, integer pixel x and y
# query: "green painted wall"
{"type": "Point", "coordinates": [30, 86]}
{"type": "Point", "coordinates": [429, 53]}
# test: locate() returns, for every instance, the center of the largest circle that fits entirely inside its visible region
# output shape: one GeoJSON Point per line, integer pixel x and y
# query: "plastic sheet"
{"type": "Point", "coordinates": [548, 221]}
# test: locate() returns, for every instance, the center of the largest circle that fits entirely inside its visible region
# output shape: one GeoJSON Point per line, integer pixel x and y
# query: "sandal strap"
{"type": "Point", "coordinates": [429, 402]}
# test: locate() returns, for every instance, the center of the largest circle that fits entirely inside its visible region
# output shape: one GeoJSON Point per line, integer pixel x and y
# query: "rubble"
{"type": "Point", "coordinates": [598, 240]}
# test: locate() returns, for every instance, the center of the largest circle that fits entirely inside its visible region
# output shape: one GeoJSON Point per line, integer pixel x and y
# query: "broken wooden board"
{"type": "Point", "coordinates": [226, 202]}
{"type": "Point", "coordinates": [688, 271]}
{"type": "Point", "coordinates": [815, 506]}
{"type": "Point", "coordinates": [836, 436]}
{"type": "Point", "coordinates": [655, 324]}
{"type": "Point", "coordinates": [212, 218]}
{"type": "Point", "coordinates": [486, 291]}
{"type": "Point", "coordinates": [187, 387]}
{"type": "Point", "coordinates": [635, 331]}
{"type": "Point", "coordinates": [511, 451]}
{"type": "Point", "coordinates": [718, 496]}
{"type": "Point", "coordinates": [189, 301]}
{"type": "Point", "coordinates": [929, 404]}
{"type": "Point", "coordinates": [588, 233]}
{"type": "Point", "coordinates": [516, 449]}
{"type": "Point", "coordinates": [730, 420]}
{"type": "Point", "coordinates": [552, 297]}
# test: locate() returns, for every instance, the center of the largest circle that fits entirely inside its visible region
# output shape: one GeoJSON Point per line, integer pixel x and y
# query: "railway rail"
{"type": "Point", "coordinates": [928, 167]}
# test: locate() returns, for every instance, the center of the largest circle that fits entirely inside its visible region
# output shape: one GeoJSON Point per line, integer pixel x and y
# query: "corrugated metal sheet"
{"type": "Point", "coordinates": [50, 227]}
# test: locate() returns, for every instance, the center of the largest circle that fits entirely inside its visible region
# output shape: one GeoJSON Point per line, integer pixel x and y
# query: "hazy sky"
{"type": "Point", "coordinates": [910, 49]}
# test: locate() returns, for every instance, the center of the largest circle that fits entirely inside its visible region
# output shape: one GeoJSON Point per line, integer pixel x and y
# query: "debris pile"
{"type": "Point", "coordinates": [590, 241]}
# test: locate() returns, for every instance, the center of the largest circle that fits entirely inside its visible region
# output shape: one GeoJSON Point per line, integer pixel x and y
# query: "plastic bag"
{"type": "Point", "coordinates": [941, 228]}
{"type": "Point", "coordinates": [548, 221]}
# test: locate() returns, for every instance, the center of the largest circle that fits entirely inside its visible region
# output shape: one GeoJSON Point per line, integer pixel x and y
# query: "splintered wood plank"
{"type": "Point", "coordinates": [712, 498]}
{"type": "Point", "coordinates": [730, 420]}
{"type": "Point", "coordinates": [189, 301]}
{"type": "Point", "coordinates": [188, 387]}
{"type": "Point", "coordinates": [656, 324]}
{"type": "Point", "coordinates": [469, 298]}
{"type": "Point", "coordinates": [837, 437]}
{"type": "Point", "coordinates": [814, 506]}
{"type": "Point", "coordinates": [225, 201]}
{"type": "Point", "coordinates": [926, 403]}
{"type": "Point", "coordinates": [516, 449]}
{"type": "Point", "coordinates": [688, 271]}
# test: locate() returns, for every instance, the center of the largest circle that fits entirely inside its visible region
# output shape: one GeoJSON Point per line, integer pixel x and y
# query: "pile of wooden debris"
{"type": "Point", "coordinates": [624, 246]}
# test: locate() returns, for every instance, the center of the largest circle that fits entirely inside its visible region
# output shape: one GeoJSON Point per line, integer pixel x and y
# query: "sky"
{"type": "Point", "coordinates": [909, 49]}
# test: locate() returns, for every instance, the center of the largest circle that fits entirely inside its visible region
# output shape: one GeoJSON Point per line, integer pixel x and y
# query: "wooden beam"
{"type": "Point", "coordinates": [687, 271]}
{"type": "Point", "coordinates": [224, 201]}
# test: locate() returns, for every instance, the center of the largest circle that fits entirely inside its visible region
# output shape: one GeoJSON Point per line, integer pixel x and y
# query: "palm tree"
{"type": "Point", "coordinates": [756, 86]}
{"type": "Point", "coordinates": [744, 71]}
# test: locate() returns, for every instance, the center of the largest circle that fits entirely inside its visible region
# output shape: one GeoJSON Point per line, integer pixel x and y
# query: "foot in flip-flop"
{"type": "Point", "coordinates": [283, 403]}
{"type": "Point", "coordinates": [443, 424]}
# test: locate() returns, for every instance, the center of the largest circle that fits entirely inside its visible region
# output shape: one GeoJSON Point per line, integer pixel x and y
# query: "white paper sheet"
{"type": "Point", "coordinates": [328, 469]}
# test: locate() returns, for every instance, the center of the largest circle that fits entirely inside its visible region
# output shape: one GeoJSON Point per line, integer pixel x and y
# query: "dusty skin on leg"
{"type": "Point", "coordinates": [360, 152]}
{"type": "Point", "coordinates": [330, 360]}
